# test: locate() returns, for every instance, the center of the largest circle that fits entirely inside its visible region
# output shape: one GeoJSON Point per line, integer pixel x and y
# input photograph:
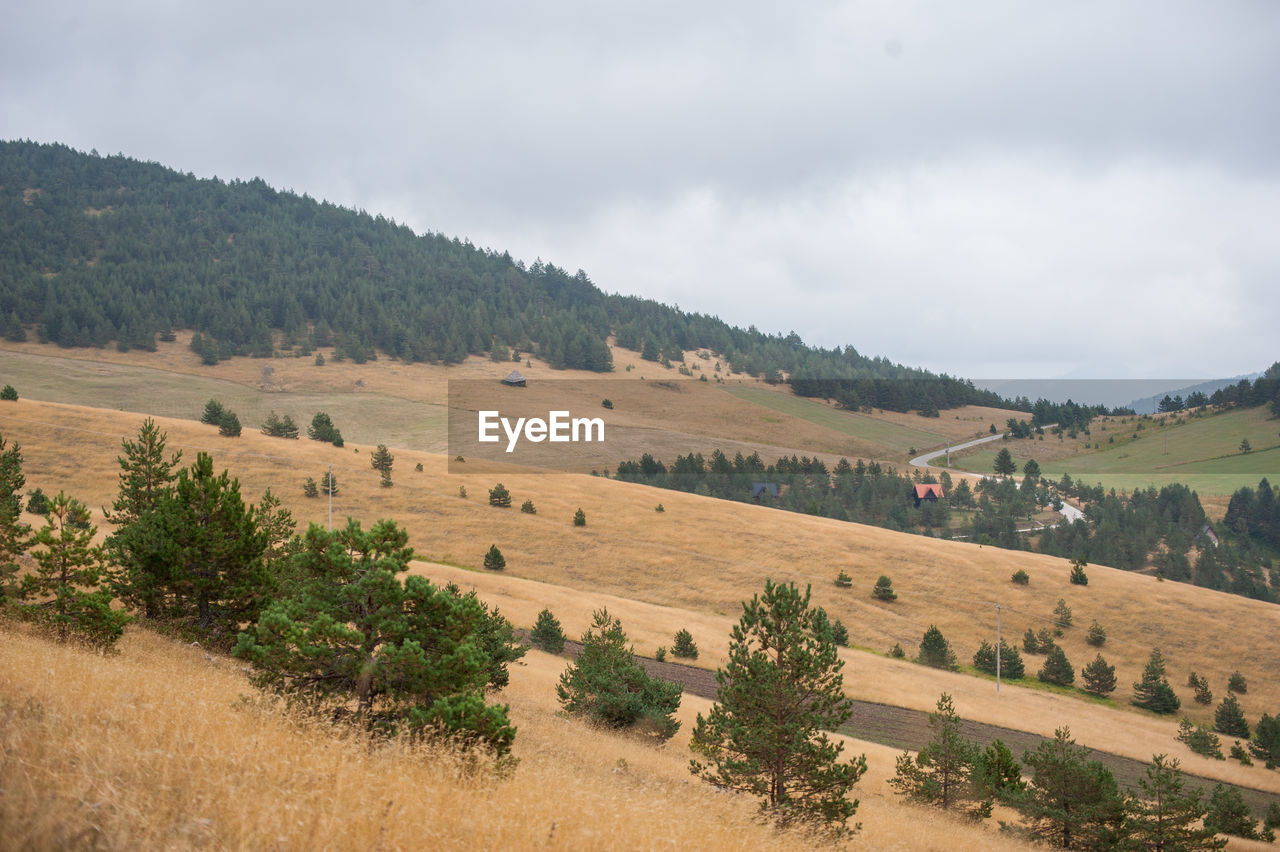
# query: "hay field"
{"type": "Point", "coordinates": [163, 746]}
{"type": "Point", "coordinates": [693, 564]}
{"type": "Point", "coordinates": [656, 410]}
{"type": "Point", "coordinates": [868, 677]}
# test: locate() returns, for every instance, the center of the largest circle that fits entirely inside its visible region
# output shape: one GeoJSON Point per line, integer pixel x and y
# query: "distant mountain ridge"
{"type": "Point", "coordinates": [97, 251]}
{"type": "Point", "coordinates": [1151, 404]}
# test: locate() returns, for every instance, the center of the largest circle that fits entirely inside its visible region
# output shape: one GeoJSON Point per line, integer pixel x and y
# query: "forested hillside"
{"type": "Point", "coordinates": [98, 251]}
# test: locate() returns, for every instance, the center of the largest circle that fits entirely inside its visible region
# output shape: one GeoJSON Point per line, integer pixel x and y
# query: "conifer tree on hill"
{"type": "Point", "coordinates": [1070, 802]}
{"type": "Point", "coordinates": [935, 651]}
{"type": "Point", "coordinates": [499, 496]}
{"type": "Point", "coordinates": [145, 474]}
{"type": "Point", "coordinates": [607, 685]}
{"type": "Point", "coordinates": [408, 656]}
{"type": "Point", "coordinates": [1057, 669]}
{"type": "Point", "coordinates": [196, 559]}
{"type": "Point", "coordinates": [778, 695]}
{"type": "Point", "coordinates": [1099, 677]}
{"type": "Point", "coordinates": [13, 532]}
{"type": "Point", "coordinates": [942, 772]}
{"type": "Point", "coordinates": [64, 592]}
{"type": "Point", "coordinates": [1153, 692]}
{"type": "Point", "coordinates": [547, 635]}
{"type": "Point", "coordinates": [381, 461]}
{"type": "Point", "coordinates": [1165, 815]}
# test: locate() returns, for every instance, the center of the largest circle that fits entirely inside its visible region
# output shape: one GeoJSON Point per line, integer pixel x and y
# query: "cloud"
{"type": "Point", "coordinates": [984, 187]}
{"type": "Point", "coordinates": [985, 267]}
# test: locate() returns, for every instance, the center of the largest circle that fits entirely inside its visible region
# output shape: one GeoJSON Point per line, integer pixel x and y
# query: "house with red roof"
{"type": "Point", "coordinates": [928, 491]}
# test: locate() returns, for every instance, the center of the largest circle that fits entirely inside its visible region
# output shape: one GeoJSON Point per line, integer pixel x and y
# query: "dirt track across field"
{"type": "Point", "coordinates": [901, 727]}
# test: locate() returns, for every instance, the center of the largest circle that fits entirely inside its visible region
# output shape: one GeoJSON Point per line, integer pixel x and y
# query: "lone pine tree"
{"type": "Point", "coordinates": [381, 461]}
{"type": "Point", "coordinates": [935, 650]}
{"type": "Point", "coordinates": [780, 692]}
{"type": "Point", "coordinates": [684, 646]}
{"type": "Point", "coordinates": [1004, 463]}
{"type": "Point", "coordinates": [1153, 692]}
{"type": "Point", "coordinates": [610, 687]}
{"type": "Point", "coordinates": [942, 772]}
{"type": "Point", "coordinates": [1070, 802]}
{"type": "Point", "coordinates": [1229, 719]}
{"type": "Point", "coordinates": [39, 502]}
{"type": "Point", "coordinates": [547, 635]}
{"type": "Point", "coordinates": [1165, 815]}
{"type": "Point", "coordinates": [494, 560]}
{"type": "Point", "coordinates": [1099, 677]}
{"type": "Point", "coordinates": [1097, 636]}
{"type": "Point", "coordinates": [1057, 669]}
{"type": "Point", "coordinates": [883, 590]}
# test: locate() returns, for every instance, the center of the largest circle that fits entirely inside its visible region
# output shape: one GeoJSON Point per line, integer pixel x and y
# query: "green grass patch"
{"type": "Point", "coordinates": [1198, 445]}
{"type": "Point", "coordinates": [1202, 453]}
{"type": "Point", "coordinates": [890, 435]}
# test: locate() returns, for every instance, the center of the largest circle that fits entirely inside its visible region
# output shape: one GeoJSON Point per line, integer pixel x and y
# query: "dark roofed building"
{"type": "Point", "coordinates": [515, 380]}
{"type": "Point", "coordinates": [758, 488]}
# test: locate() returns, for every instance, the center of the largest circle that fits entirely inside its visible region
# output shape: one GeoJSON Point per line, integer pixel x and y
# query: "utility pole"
{"type": "Point", "coordinates": [331, 508]}
{"type": "Point", "coordinates": [997, 647]}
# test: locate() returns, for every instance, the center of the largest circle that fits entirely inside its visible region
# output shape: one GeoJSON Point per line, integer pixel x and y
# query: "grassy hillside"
{"type": "Point", "coordinates": [1128, 452]}
{"type": "Point", "coordinates": [656, 410]}
{"type": "Point", "coordinates": [868, 429]}
{"type": "Point", "coordinates": [97, 251]}
{"type": "Point", "coordinates": [164, 746]}
{"type": "Point", "coordinates": [692, 564]}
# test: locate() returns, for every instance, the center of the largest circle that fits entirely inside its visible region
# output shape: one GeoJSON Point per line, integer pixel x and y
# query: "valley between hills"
{"type": "Point", "coordinates": [686, 567]}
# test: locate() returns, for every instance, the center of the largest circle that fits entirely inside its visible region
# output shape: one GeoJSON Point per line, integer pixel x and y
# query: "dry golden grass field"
{"type": "Point", "coordinates": [165, 747]}
{"type": "Point", "coordinates": [155, 748]}
{"type": "Point", "coordinates": [656, 410]}
{"type": "Point", "coordinates": [692, 565]}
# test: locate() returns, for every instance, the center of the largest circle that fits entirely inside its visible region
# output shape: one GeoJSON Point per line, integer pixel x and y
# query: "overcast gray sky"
{"type": "Point", "coordinates": [991, 189]}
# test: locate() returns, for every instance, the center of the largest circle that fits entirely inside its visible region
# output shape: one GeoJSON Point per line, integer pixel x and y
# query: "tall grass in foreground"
{"type": "Point", "coordinates": [164, 746]}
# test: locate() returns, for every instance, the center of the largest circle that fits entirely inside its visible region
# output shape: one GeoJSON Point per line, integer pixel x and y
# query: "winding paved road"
{"type": "Point", "coordinates": [901, 727]}
{"type": "Point", "coordinates": [1069, 512]}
